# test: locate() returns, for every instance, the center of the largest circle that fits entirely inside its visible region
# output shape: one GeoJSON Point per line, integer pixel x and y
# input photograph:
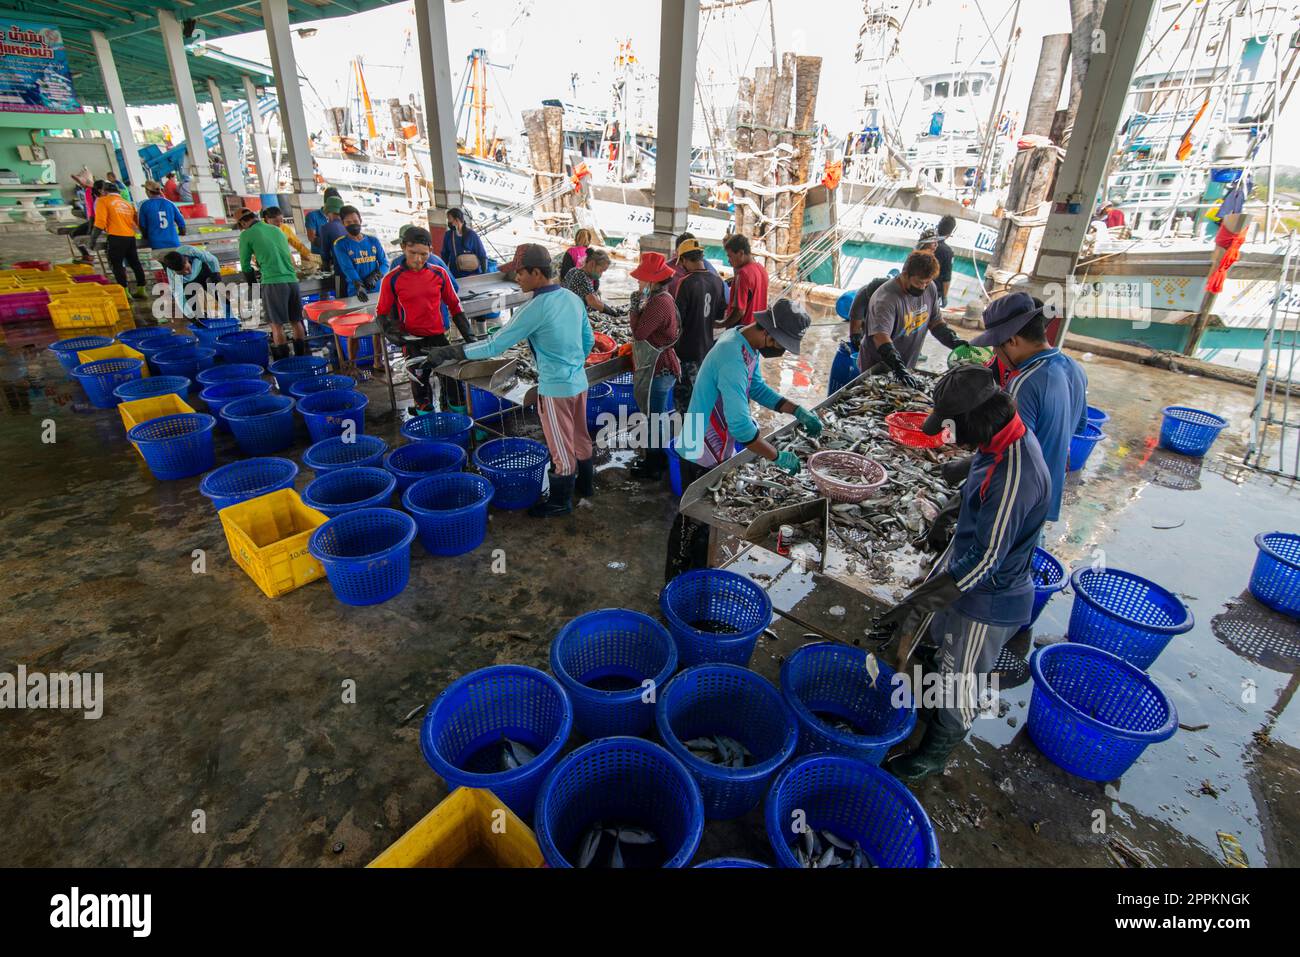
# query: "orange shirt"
{"type": "Point", "coordinates": [115, 216]}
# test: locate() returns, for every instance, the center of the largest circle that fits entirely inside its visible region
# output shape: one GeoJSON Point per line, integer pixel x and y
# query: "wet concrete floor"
{"type": "Point", "coordinates": [227, 709]}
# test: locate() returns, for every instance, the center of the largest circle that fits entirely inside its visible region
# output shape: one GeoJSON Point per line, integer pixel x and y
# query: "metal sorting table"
{"type": "Point", "coordinates": [733, 545]}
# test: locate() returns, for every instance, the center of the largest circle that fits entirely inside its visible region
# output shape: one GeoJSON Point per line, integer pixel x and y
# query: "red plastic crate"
{"type": "Point", "coordinates": [24, 306]}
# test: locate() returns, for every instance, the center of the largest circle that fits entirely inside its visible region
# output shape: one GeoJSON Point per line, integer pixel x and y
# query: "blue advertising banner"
{"type": "Point", "coordinates": [34, 72]}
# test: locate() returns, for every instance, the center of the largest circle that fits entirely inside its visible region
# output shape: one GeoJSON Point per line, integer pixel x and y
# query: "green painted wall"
{"type": "Point", "coordinates": [29, 129]}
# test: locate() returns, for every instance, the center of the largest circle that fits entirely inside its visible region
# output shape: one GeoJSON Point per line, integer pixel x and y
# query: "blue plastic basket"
{"type": "Point", "coordinates": [627, 781]}
{"type": "Point", "coordinates": [516, 468]}
{"type": "Point", "coordinates": [1081, 446]}
{"type": "Point", "coordinates": [1275, 580]}
{"type": "Point", "coordinates": [1092, 713]}
{"type": "Point", "coordinates": [251, 478]}
{"type": "Point", "coordinates": [220, 394]}
{"type": "Point", "coordinates": [330, 454]}
{"type": "Point", "coordinates": [184, 361]}
{"type": "Point", "coordinates": [1097, 417]}
{"type": "Point", "coordinates": [622, 394]}
{"type": "Point", "coordinates": [450, 511]}
{"type": "Point", "coordinates": [463, 728]}
{"type": "Point", "coordinates": [232, 372]}
{"type": "Point", "coordinates": [1050, 577]}
{"type": "Point", "coordinates": [346, 490]}
{"type": "Point", "coordinates": [209, 330]}
{"type": "Point", "coordinates": [856, 802]}
{"type": "Point", "coordinates": [176, 446]}
{"type": "Point", "coordinates": [417, 460]}
{"type": "Point", "coordinates": [714, 616]}
{"type": "Point", "coordinates": [487, 406]}
{"type": "Point", "coordinates": [129, 337]}
{"type": "Point", "coordinates": [726, 700]}
{"type": "Point", "coordinates": [600, 399]}
{"type": "Point", "coordinates": [262, 424]}
{"type": "Point", "coordinates": [602, 658]}
{"type": "Point", "coordinates": [439, 427]}
{"type": "Point", "coordinates": [250, 345]}
{"type": "Point", "coordinates": [101, 377]}
{"type": "Point", "coordinates": [321, 383]}
{"type": "Point", "coordinates": [65, 350]}
{"type": "Point", "coordinates": [366, 554]}
{"type": "Point", "coordinates": [327, 413]}
{"type": "Point", "coordinates": [152, 346]}
{"type": "Point", "coordinates": [730, 862]}
{"type": "Point", "coordinates": [831, 681]}
{"type": "Point", "coordinates": [1125, 614]}
{"type": "Point", "coordinates": [1189, 431]}
{"type": "Point", "coordinates": [155, 385]}
{"type": "Point", "coordinates": [292, 369]}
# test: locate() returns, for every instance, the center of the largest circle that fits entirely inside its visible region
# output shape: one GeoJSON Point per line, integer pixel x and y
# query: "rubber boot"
{"type": "Point", "coordinates": [300, 347]}
{"type": "Point", "coordinates": [930, 757]}
{"type": "Point", "coordinates": [279, 352]}
{"type": "Point", "coordinates": [585, 485]}
{"type": "Point", "coordinates": [559, 502]}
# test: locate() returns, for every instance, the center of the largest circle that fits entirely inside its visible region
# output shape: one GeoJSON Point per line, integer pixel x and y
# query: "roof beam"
{"type": "Point", "coordinates": [194, 12]}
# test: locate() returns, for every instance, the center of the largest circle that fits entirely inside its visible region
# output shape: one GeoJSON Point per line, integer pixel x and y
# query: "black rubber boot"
{"type": "Point", "coordinates": [300, 347]}
{"type": "Point", "coordinates": [559, 502]}
{"type": "Point", "coordinates": [930, 757]}
{"type": "Point", "coordinates": [585, 484]}
{"type": "Point", "coordinates": [279, 352]}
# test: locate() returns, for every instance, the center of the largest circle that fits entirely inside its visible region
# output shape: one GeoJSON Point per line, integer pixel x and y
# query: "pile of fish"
{"type": "Point", "coordinates": [721, 750]}
{"type": "Point", "coordinates": [514, 755]}
{"type": "Point", "coordinates": [823, 849]}
{"type": "Point", "coordinates": [602, 845]}
{"type": "Point", "coordinates": [615, 327]}
{"type": "Point", "coordinates": [892, 518]}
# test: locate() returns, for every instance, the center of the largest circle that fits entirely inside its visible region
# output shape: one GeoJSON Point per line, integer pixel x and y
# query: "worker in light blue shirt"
{"type": "Point", "coordinates": [719, 416]}
{"type": "Point", "coordinates": [161, 222]}
{"type": "Point", "coordinates": [191, 273]}
{"type": "Point", "coordinates": [1050, 388]}
{"type": "Point", "coordinates": [554, 323]}
{"type": "Point", "coordinates": [359, 260]}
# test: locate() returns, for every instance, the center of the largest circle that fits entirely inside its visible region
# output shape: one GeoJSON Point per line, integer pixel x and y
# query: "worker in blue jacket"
{"type": "Point", "coordinates": [359, 259]}
{"type": "Point", "coordinates": [1050, 388]}
{"type": "Point", "coordinates": [981, 590]}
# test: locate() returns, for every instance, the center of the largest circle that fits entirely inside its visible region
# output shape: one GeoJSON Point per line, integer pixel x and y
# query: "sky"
{"type": "Point", "coordinates": [542, 48]}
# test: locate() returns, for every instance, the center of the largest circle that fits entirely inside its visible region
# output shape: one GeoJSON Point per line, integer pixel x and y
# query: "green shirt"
{"type": "Point", "coordinates": [271, 249]}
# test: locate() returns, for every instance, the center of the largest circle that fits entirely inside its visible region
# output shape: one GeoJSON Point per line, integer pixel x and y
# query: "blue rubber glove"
{"type": "Point", "coordinates": [788, 462]}
{"type": "Point", "coordinates": [808, 421]}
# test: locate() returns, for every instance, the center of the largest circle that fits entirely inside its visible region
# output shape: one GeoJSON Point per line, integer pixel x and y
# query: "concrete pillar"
{"type": "Point", "coordinates": [293, 118]}
{"type": "Point", "coordinates": [135, 175]}
{"type": "Point", "coordinates": [679, 30]}
{"type": "Point", "coordinates": [202, 185]}
{"type": "Point", "coordinates": [440, 117]}
{"type": "Point", "coordinates": [1053, 58]}
{"type": "Point", "coordinates": [230, 150]}
{"type": "Point", "coordinates": [1105, 89]}
{"type": "Point", "coordinates": [267, 175]}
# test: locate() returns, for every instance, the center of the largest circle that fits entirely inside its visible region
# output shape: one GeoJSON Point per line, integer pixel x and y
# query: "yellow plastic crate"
{"type": "Point", "coordinates": [75, 269]}
{"type": "Point", "coordinates": [77, 312]}
{"type": "Point", "coordinates": [470, 828]}
{"type": "Point", "coordinates": [142, 410]}
{"type": "Point", "coordinates": [115, 351]}
{"type": "Point", "coordinates": [268, 539]}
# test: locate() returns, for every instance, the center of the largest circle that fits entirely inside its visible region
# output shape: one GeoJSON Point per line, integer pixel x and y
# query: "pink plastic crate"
{"type": "Point", "coordinates": [93, 277]}
{"type": "Point", "coordinates": [24, 306]}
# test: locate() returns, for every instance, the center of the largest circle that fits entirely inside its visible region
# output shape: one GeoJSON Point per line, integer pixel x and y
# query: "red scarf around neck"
{"type": "Point", "coordinates": [997, 446]}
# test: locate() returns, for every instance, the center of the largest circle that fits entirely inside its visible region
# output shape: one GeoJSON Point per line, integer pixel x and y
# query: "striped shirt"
{"type": "Point", "coordinates": [658, 325]}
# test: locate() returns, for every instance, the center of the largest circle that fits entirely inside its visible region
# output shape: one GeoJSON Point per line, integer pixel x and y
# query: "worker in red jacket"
{"type": "Point", "coordinates": [411, 297]}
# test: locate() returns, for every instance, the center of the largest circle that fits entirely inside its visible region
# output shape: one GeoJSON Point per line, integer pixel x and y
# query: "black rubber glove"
{"type": "Point", "coordinates": [390, 331]}
{"type": "Point", "coordinates": [372, 281]}
{"type": "Point", "coordinates": [943, 332]}
{"type": "Point", "coordinates": [362, 296]}
{"type": "Point", "coordinates": [890, 357]}
{"type": "Point", "coordinates": [439, 355]}
{"type": "Point", "coordinates": [463, 327]}
{"type": "Point", "coordinates": [939, 534]}
{"type": "Point", "coordinates": [954, 472]}
{"type": "Point", "coordinates": [905, 617]}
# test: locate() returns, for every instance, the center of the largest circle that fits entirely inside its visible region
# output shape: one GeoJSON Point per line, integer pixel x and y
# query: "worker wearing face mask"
{"type": "Point", "coordinates": [900, 313]}
{"type": "Point", "coordinates": [359, 259]}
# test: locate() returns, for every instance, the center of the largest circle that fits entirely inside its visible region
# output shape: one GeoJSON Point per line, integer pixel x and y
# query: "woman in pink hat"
{"type": "Point", "coordinates": [655, 327]}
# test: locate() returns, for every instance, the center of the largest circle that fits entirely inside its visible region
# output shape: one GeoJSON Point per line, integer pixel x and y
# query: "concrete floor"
{"type": "Point", "coordinates": [222, 701]}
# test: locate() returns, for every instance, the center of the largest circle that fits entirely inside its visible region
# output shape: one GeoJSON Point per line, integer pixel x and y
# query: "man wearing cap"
{"type": "Point", "coordinates": [278, 279]}
{"type": "Point", "coordinates": [900, 314]}
{"type": "Point", "coordinates": [701, 297]}
{"type": "Point", "coordinates": [1050, 388]}
{"type": "Point", "coordinates": [719, 416]}
{"type": "Point", "coordinates": [980, 591]}
{"type": "Point", "coordinates": [161, 222]}
{"type": "Point", "coordinates": [417, 300]}
{"type": "Point", "coordinates": [555, 325]}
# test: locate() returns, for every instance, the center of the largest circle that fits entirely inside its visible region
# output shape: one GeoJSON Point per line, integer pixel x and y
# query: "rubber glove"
{"type": "Point", "coordinates": [361, 295]}
{"type": "Point", "coordinates": [788, 462]}
{"type": "Point", "coordinates": [808, 421]}
{"type": "Point", "coordinates": [439, 355]}
{"type": "Point", "coordinates": [906, 617]}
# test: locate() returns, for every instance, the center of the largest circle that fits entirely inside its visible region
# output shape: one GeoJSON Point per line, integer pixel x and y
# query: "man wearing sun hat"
{"type": "Point", "coordinates": [980, 591]}
{"type": "Point", "coordinates": [719, 416]}
{"type": "Point", "coordinates": [554, 322]}
{"type": "Point", "coordinates": [1050, 388]}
